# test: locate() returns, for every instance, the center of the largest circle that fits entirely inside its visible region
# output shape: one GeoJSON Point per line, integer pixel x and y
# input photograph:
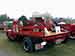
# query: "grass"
{"type": "Point", "coordinates": [67, 49]}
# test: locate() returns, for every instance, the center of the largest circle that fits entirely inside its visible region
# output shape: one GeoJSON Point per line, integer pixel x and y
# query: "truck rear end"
{"type": "Point", "coordinates": [37, 35]}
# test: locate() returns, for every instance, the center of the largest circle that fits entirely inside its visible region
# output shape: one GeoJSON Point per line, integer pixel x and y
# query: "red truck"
{"type": "Point", "coordinates": [35, 35]}
{"type": "Point", "coordinates": [70, 28]}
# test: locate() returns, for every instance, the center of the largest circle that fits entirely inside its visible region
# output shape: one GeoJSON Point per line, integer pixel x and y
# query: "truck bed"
{"type": "Point", "coordinates": [41, 34]}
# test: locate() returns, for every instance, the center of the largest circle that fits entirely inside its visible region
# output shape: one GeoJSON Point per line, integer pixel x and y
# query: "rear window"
{"type": "Point", "coordinates": [38, 19]}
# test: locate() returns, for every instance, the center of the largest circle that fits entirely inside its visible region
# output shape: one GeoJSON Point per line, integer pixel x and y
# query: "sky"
{"type": "Point", "coordinates": [57, 8]}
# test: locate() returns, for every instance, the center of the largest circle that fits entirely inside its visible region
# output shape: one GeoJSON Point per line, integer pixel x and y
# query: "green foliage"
{"type": "Point", "coordinates": [22, 18]}
{"type": "Point", "coordinates": [69, 20]}
{"type": "Point", "coordinates": [3, 17]}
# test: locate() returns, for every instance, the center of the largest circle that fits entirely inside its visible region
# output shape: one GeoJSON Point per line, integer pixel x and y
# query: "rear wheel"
{"type": "Point", "coordinates": [65, 40]}
{"type": "Point", "coordinates": [33, 44]}
{"type": "Point", "coordinates": [59, 41]}
{"type": "Point", "coordinates": [28, 44]}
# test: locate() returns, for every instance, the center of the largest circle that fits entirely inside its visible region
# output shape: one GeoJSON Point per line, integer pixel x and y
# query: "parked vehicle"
{"type": "Point", "coordinates": [70, 28]}
{"type": "Point", "coordinates": [35, 34]}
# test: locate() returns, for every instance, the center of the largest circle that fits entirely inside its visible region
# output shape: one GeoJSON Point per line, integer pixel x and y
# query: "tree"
{"type": "Point", "coordinates": [3, 18]}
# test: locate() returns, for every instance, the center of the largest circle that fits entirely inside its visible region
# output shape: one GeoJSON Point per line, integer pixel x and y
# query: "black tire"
{"type": "Point", "coordinates": [28, 44]}
{"type": "Point", "coordinates": [65, 40]}
{"type": "Point", "coordinates": [11, 38]}
{"type": "Point", "coordinates": [62, 41]}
